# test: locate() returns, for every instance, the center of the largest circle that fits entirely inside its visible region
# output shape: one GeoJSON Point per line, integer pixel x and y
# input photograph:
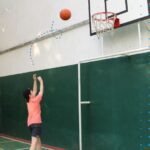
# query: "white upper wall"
{"type": "Point", "coordinates": [62, 50]}
{"type": "Point", "coordinates": [24, 20]}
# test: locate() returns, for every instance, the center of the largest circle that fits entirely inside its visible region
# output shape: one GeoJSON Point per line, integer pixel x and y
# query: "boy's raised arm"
{"type": "Point", "coordinates": [34, 84]}
{"type": "Point", "coordinates": [41, 84]}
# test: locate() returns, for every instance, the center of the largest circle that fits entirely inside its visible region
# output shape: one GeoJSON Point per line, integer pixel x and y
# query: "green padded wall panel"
{"type": "Point", "coordinates": [118, 117]}
{"type": "Point", "coordinates": [59, 106]}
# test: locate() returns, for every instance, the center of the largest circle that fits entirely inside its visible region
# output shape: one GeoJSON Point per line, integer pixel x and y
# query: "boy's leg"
{"type": "Point", "coordinates": [36, 133]}
{"type": "Point", "coordinates": [34, 141]}
{"type": "Point", "coordinates": [39, 146]}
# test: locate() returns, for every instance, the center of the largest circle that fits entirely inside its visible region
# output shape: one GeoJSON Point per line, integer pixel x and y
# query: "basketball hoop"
{"type": "Point", "coordinates": [104, 22]}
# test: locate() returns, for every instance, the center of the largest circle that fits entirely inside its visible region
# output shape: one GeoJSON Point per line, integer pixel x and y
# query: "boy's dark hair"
{"type": "Point", "coordinates": [26, 94]}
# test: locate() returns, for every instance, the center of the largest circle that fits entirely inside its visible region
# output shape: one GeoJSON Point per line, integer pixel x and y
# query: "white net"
{"type": "Point", "coordinates": [103, 22]}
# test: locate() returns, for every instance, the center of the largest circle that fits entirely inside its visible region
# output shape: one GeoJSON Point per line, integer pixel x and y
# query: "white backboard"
{"type": "Point", "coordinates": [128, 11]}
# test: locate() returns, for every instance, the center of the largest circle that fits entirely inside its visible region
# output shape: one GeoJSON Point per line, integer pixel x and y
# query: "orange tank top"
{"type": "Point", "coordinates": [34, 110]}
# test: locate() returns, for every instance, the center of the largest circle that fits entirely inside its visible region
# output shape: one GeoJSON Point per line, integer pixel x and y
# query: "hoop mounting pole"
{"type": "Point", "coordinates": [85, 102]}
{"type": "Point", "coordinates": [79, 106]}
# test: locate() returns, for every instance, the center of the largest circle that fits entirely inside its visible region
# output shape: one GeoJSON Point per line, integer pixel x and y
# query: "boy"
{"type": "Point", "coordinates": [34, 112]}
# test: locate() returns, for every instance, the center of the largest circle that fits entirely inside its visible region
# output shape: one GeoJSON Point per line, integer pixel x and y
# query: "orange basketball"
{"type": "Point", "coordinates": [65, 14]}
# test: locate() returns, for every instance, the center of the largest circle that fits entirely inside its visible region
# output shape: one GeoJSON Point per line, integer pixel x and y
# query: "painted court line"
{"type": "Point", "coordinates": [29, 147]}
{"type": "Point", "coordinates": [6, 142]}
{"type": "Point", "coordinates": [23, 148]}
{"type": "Point", "coordinates": [13, 140]}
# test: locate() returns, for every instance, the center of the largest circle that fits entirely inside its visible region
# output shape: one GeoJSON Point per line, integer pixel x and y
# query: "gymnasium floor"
{"type": "Point", "coordinates": [7, 143]}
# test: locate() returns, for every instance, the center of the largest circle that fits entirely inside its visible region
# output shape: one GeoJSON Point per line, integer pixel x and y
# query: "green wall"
{"type": "Point", "coordinates": [118, 117]}
{"type": "Point", "coordinates": [59, 106]}
{"type": "Point", "coordinates": [0, 112]}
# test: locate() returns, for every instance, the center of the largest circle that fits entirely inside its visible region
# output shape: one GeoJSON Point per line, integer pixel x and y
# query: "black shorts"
{"type": "Point", "coordinates": [36, 130]}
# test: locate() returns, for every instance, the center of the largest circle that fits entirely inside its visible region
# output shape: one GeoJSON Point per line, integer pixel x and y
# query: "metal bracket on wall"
{"type": "Point", "coordinates": [85, 102]}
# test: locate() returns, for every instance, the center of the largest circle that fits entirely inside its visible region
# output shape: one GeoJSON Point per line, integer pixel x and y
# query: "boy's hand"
{"type": "Point", "coordinates": [39, 78]}
{"type": "Point", "coordinates": [34, 76]}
